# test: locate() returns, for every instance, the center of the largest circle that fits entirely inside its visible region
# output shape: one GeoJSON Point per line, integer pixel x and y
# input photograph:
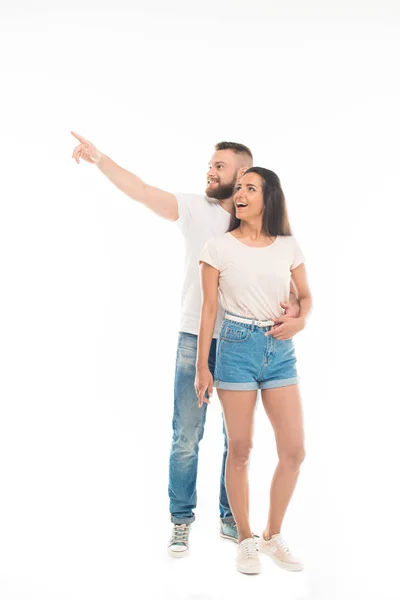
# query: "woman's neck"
{"type": "Point", "coordinates": [252, 230]}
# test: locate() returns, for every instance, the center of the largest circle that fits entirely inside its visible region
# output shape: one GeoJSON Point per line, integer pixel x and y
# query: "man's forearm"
{"type": "Point", "coordinates": [305, 306]}
{"type": "Point", "coordinates": [125, 181]}
{"type": "Point", "coordinates": [294, 305]}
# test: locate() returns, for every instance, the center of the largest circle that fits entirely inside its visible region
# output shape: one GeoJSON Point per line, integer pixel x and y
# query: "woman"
{"type": "Point", "coordinates": [251, 266]}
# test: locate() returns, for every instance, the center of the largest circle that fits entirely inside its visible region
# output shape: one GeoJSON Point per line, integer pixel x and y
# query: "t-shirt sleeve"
{"type": "Point", "coordinates": [184, 211]}
{"type": "Point", "coordinates": [209, 254]}
{"type": "Point", "coordinates": [298, 256]}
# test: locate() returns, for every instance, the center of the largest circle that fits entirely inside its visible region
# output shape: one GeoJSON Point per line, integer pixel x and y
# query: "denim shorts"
{"type": "Point", "coordinates": [247, 359]}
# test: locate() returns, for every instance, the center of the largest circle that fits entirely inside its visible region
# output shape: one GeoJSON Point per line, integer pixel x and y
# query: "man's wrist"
{"type": "Point", "coordinates": [96, 158]}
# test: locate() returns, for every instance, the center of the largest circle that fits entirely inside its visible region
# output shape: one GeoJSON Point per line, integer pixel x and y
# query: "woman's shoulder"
{"type": "Point", "coordinates": [288, 244]}
{"type": "Point", "coordinates": [289, 240]}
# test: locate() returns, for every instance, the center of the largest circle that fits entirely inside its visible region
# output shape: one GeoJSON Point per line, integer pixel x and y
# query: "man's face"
{"type": "Point", "coordinates": [222, 173]}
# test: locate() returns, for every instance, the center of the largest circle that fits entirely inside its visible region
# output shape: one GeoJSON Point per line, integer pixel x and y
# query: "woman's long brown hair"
{"type": "Point", "coordinates": [275, 217]}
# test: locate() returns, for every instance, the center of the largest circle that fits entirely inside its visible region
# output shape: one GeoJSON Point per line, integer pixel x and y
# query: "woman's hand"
{"type": "Point", "coordinates": [286, 327]}
{"type": "Point", "coordinates": [203, 381]}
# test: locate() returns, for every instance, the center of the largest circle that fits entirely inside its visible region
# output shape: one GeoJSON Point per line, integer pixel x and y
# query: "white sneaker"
{"type": "Point", "coordinates": [278, 550]}
{"type": "Point", "coordinates": [247, 560]}
{"type": "Point", "coordinates": [178, 545]}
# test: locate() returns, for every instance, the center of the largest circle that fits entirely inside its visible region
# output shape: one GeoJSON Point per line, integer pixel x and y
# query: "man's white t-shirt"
{"type": "Point", "coordinates": [253, 281]}
{"type": "Point", "coordinates": [200, 219]}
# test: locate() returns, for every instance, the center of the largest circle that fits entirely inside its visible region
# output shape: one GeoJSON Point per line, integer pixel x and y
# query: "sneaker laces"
{"type": "Point", "coordinates": [250, 550]}
{"type": "Point", "coordinates": [180, 534]}
{"type": "Point", "coordinates": [283, 545]}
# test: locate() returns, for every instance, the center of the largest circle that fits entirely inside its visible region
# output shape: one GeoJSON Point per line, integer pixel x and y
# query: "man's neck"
{"type": "Point", "coordinates": [227, 205]}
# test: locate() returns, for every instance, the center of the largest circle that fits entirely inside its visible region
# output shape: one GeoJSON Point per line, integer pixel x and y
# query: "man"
{"type": "Point", "coordinates": [199, 218]}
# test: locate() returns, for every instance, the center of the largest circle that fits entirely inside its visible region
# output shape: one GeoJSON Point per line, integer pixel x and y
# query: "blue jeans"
{"type": "Point", "coordinates": [188, 428]}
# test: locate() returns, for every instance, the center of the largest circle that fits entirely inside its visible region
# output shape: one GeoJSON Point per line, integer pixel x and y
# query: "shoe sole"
{"type": "Point", "coordinates": [248, 570]}
{"type": "Point", "coordinates": [286, 566]}
{"type": "Point", "coordinates": [181, 554]}
{"type": "Point", "coordinates": [228, 537]}
{"type": "Point", "coordinates": [235, 540]}
{"type": "Point", "coordinates": [282, 565]}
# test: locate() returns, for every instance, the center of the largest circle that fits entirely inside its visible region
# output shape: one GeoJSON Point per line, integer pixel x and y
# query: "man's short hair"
{"type": "Point", "coordinates": [237, 148]}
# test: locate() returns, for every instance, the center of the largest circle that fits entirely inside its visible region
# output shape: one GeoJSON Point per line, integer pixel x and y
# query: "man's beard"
{"type": "Point", "coordinates": [221, 192]}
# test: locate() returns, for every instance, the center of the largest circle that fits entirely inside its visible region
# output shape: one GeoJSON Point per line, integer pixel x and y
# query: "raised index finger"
{"type": "Point", "coordinates": [78, 137]}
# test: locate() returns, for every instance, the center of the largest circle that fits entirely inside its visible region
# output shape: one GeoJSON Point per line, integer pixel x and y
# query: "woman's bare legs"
{"type": "Point", "coordinates": [283, 407]}
{"type": "Point", "coordinates": [238, 410]}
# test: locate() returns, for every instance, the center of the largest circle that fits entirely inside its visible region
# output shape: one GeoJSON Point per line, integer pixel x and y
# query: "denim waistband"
{"type": "Point", "coordinates": [252, 325]}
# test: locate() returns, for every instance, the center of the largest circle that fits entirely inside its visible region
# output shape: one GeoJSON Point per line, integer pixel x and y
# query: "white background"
{"type": "Point", "coordinates": [91, 283]}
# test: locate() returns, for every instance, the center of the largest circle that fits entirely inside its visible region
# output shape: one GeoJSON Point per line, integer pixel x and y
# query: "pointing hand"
{"type": "Point", "coordinates": [85, 150]}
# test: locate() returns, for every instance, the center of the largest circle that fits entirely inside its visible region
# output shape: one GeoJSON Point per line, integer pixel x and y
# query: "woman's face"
{"type": "Point", "coordinates": [248, 198]}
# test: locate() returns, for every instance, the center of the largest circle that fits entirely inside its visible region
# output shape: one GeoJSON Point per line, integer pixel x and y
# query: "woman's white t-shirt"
{"type": "Point", "coordinates": [253, 281]}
